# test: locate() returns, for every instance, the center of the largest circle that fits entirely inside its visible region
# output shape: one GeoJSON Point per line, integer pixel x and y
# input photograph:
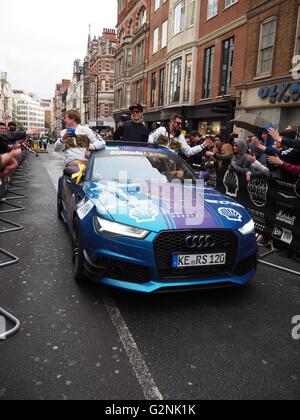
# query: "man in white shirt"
{"type": "Point", "coordinates": [173, 139]}
{"type": "Point", "coordinates": [77, 140]}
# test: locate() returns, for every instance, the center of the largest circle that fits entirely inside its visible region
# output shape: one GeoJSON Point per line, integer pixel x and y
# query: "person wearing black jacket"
{"type": "Point", "coordinates": [3, 138]}
{"type": "Point", "coordinates": [134, 130]}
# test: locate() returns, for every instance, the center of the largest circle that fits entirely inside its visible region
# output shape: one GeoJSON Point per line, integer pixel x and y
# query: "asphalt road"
{"type": "Point", "coordinates": [94, 343]}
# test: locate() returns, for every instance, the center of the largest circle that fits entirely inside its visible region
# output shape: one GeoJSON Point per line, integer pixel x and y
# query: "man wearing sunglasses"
{"type": "Point", "coordinates": [134, 130]}
{"type": "Point", "coordinates": [172, 138]}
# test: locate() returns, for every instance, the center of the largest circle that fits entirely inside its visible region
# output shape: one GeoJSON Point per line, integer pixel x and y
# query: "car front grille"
{"type": "Point", "coordinates": [170, 243]}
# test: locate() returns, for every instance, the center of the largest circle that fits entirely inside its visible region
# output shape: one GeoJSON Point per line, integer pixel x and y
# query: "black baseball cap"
{"type": "Point", "coordinates": [138, 107]}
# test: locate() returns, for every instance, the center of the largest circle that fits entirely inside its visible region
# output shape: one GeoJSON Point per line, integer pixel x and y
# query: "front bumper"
{"type": "Point", "coordinates": [133, 265]}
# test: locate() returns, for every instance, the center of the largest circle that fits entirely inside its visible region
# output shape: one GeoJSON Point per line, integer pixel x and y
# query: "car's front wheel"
{"type": "Point", "coordinates": [78, 255]}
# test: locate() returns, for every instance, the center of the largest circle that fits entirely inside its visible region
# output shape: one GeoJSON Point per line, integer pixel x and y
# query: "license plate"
{"type": "Point", "coordinates": [184, 261]}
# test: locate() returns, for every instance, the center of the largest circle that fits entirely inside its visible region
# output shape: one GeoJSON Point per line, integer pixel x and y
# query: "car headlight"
{"type": "Point", "coordinates": [248, 228]}
{"type": "Point", "coordinates": [113, 229]}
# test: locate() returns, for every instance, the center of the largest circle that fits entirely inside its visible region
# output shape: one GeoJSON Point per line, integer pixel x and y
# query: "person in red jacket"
{"type": "Point", "coordinates": [288, 167]}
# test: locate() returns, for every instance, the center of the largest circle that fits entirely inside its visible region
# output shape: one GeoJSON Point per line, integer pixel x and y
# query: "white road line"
{"type": "Point", "coordinates": [150, 389]}
{"type": "Point", "coordinates": [144, 377]}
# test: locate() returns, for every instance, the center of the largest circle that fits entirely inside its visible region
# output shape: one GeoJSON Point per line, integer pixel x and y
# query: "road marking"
{"type": "Point", "coordinates": [150, 389]}
{"type": "Point", "coordinates": [144, 377]}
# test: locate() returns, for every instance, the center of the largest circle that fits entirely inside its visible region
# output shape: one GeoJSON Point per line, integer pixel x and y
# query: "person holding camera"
{"type": "Point", "coordinates": [77, 140]}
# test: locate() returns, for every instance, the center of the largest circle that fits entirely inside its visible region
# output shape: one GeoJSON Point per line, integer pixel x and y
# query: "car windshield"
{"type": "Point", "coordinates": [149, 165]}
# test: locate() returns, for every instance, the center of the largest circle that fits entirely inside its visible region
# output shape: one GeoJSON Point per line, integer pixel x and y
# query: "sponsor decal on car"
{"type": "Point", "coordinates": [223, 203]}
{"type": "Point", "coordinates": [84, 209]}
{"type": "Point", "coordinates": [144, 212]}
{"type": "Point", "coordinates": [230, 214]}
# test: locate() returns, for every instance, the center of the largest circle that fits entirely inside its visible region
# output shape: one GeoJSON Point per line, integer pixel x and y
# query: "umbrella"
{"type": "Point", "coordinates": [252, 122]}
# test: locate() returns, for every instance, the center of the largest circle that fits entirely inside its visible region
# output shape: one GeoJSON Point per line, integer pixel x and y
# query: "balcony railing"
{"type": "Point", "coordinates": [131, 72]}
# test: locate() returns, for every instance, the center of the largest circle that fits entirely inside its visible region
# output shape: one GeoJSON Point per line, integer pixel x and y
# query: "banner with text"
{"type": "Point", "coordinates": [274, 204]}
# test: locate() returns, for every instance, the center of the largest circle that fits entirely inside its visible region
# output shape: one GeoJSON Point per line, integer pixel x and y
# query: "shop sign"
{"type": "Point", "coordinates": [283, 93]}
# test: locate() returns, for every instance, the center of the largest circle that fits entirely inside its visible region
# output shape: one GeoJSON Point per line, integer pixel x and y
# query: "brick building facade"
{"type": "Point", "coordinates": [131, 54]}
{"type": "Point", "coordinates": [99, 79]}
{"type": "Point", "coordinates": [271, 87]}
{"type": "Point", "coordinates": [157, 60]}
{"type": "Point", "coordinates": [209, 60]}
{"type": "Point", "coordinates": [59, 103]}
{"type": "Point", "coordinates": [221, 62]}
{"type": "Point", "coordinates": [174, 31]}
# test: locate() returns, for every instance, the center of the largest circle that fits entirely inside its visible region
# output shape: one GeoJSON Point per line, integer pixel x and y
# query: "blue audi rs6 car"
{"type": "Point", "coordinates": [141, 220]}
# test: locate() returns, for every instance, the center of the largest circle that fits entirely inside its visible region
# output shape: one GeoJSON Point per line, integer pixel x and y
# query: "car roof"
{"type": "Point", "coordinates": [142, 147]}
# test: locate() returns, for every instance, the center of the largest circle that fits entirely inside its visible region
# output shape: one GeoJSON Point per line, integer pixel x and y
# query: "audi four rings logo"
{"type": "Point", "coordinates": [200, 242]}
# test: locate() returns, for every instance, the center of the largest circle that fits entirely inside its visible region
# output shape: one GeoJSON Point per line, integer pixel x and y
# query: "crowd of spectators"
{"type": "Point", "coordinates": [11, 143]}
{"type": "Point", "coordinates": [268, 153]}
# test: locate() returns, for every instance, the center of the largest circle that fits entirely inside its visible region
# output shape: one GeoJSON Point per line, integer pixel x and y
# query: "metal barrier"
{"type": "Point", "coordinates": [10, 191]}
{"type": "Point", "coordinates": [274, 250]}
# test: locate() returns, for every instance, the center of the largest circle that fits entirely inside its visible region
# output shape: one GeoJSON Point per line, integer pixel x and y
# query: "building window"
{"type": "Point", "coordinates": [162, 80]}
{"type": "Point", "coordinates": [297, 42]}
{"type": "Point", "coordinates": [229, 2]}
{"type": "Point", "coordinates": [139, 92]}
{"type": "Point", "coordinates": [208, 72]}
{"type": "Point", "coordinates": [153, 90]}
{"type": "Point", "coordinates": [122, 36]}
{"type": "Point", "coordinates": [227, 65]}
{"type": "Point", "coordinates": [188, 77]}
{"type": "Point", "coordinates": [164, 35]}
{"type": "Point", "coordinates": [119, 95]}
{"type": "Point", "coordinates": [212, 8]}
{"type": "Point", "coordinates": [179, 17]}
{"type": "Point", "coordinates": [140, 53]}
{"type": "Point", "coordinates": [155, 40]}
{"type": "Point", "coordinates": [129, 58]}
{"type": "Point", "coordinates": [191, 12]}
{"type": "Point", "coordinates": [128, 95]}
{"type": "Point", "coordinates": [266, 48]}
{"type": "Point", "coordinates": [122, 4]}
{"type": "Point", "coordinates": [142, 18]}
{"type": "Point", "coordinates": [156, 5]}
{"type": "Point", "coordinates": [176, 66]}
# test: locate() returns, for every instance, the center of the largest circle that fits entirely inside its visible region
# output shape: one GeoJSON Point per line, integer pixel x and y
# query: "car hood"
{"type": "Point", "coordinates": [187, 208]}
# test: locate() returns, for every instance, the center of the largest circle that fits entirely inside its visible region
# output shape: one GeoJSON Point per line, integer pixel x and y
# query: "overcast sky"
{"type": "Point", "coordinates": [40, 40]}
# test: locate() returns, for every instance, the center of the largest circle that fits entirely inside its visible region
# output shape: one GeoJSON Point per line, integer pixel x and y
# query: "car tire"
{"type": "Point", "coordinates": [78, 256]}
